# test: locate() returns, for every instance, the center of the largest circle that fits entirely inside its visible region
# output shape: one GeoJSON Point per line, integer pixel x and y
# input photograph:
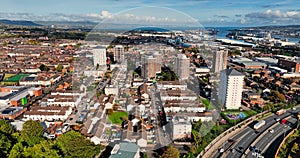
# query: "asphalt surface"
{"type": "Point", "coordinates": [264, 143]}
{"type": "Point", "coordinates": [244, 139]}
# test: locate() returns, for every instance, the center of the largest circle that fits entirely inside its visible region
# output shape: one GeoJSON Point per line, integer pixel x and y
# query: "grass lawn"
{"type": "Point", "coordinates": [116, 117]}
{"type": "Point", "coordinates": [207, 104]}
{"type": "Point", "coordinates": [15, 78]}
{"type": "Point", "coordinates": [249, 112]}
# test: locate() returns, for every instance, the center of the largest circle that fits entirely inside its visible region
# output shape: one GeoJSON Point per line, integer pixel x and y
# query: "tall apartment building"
{"type": "Point", "coordinates": [220, 60]}
{"type": "Point", "coordinates": [99, 56]}
{"type": "Point", "coordinates": [181, 66]}
{"type": "Point", "coordinates": [119, 53]}
{"type": "Point", "coordinates": [150, 66]}
{"type": "Point", "coordinates": [231, 88]}
{"type": "Point", "coordinates": [158, 57]}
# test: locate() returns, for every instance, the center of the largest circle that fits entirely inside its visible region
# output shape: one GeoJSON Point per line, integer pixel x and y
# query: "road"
{"type": "Point", "coordinates": [266, 140]}
{"type": "Point", "coordinates": [244, 138]}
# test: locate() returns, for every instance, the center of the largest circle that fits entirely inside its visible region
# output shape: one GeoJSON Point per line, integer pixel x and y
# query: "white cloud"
{"type": "Point", "coordinates": [274, 17]}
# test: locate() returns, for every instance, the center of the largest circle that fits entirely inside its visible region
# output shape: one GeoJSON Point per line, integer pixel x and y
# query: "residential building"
{"type": "Point", "coordinates": [181, 127]}
{"type": "Point", "coordinates": [119, 54]}
{"type": "Point", "coordinates": [150, 66]}
{"type": "Point", "coordinates": [125, 150]}
{"type": "Point", "coordinates": [231, 88]}
{"type": "Point", "coordinates": [181, 66]}
{"type": "Point", "coordinates": [49, 113]}
{"type": "Point", "coordinates": [99, 56]}
{"type": "Point", "coordinates": [220, 60]}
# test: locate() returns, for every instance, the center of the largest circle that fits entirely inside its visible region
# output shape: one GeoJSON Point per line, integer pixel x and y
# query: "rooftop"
{"type": "Point", "coordinates": [124, 150]}
{"type": "Point", "coordinates": [232, 72]}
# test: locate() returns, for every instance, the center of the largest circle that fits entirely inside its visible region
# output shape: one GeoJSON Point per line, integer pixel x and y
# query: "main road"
{"type": "Point", "coordinates": [244, 139]}
{"type": "Point", "coordinates": [267, 138]}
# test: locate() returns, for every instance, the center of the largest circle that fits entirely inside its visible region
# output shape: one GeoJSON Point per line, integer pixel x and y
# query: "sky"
{"type": "Point", "coordinates": [192, 12]}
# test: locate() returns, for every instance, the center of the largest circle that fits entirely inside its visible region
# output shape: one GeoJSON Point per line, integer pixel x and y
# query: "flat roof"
{"type": "Point", "coordinates": [253, 63]}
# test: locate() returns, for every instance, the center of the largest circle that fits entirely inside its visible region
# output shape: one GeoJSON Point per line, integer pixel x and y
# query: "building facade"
{"type": "Point", "coordinates": [220, 60]}
{"type": "Point", "coordinates": [181, 127]}
{"type": "Point", "coordinates": [231, 88]}
{"type": "Point", "coordinates": [99, 56]}
{"type": "Point", "coordinates": [119, 54]}
{"type": "Point", "coordinates": [150, 67]}
{"type": "Point", "coordinates": [181, 66]}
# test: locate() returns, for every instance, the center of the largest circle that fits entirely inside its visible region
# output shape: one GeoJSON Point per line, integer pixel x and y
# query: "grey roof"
{"type": "Point", "coordinates": [253, 63]}
{"type": "Point", "coordinates": [232, 72]}
{"type": "Point", "coordinates": [127, 150]}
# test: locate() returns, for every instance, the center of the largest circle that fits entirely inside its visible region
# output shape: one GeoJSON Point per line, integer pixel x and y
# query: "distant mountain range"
{"type": "Point", "coordinates": [18, 22]}
{"type": "Point", "coordinates": [89, 24]}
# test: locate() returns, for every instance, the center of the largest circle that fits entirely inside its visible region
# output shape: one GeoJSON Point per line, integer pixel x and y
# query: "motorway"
{"type": "Point", "coordinates": [267, 138]}
{"type": "Point", "coordinates": [244, 139]}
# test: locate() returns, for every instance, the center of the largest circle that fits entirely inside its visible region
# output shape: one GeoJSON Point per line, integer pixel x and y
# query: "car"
{"type": "Point", "coordinates": [294, 109]}
{"type": "Point", "coordinates": [271, 130]}
{"type": "Point", "coordinates": [221, 150]}
{"type": "Point", "coordinates": [277, 119]}
{"type": "Point", "coordinates": [71, 119]}
{"type": "Point", "coordinates": [232, 150]}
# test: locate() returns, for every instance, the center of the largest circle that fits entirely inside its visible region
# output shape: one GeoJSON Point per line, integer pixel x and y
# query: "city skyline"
{"type": "Point", "coordinates": [206, 12]}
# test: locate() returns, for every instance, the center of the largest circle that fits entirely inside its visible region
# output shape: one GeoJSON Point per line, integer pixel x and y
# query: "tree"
{"type": "Point", "coordinates": [171, 152]}
{"type": "Point", "coordinates": [45, 149]}
{"type": "Point", "coordinates": [17, 151]}
{"type": "Point", "coordinates": [73, 144]}
{"type": "Point", "coordinates": [32, 132]}
{"type": "Point", "coordinates": [5, 145]}
{"type": "Point", "coordinates": [6, 128]}
{"type": "Point", "coordinates": [44, 68]}
{"type": "Point", "coordinates": [59, 67]}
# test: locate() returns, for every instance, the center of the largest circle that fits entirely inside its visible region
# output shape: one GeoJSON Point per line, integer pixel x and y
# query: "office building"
{"type": "Point", "coordinates": [220, 60]}
{"type": "Point", "coordinates": [181, 66]}
{"type": "Point", "coordinates": [231, 88]}
{"type": "Point", "coordinates": [99, 56]}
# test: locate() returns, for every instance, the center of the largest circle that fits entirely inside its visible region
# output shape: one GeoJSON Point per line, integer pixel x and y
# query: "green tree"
{"type": "Point", "coordinates": [6, 128]}
{"type": "Point", "coordinates": [32, 132]}
{"type": "Point", "coordinates": [59, 67]}
{"type": "Point", "coordinates": [17, 151]}
{"type": "Point", "coordinates": [44, 68]}
{"type": "Point", "coordinates": [171, 152]}
{"type": "Point", "coordinates": [5, 145]}
{"type": "Point", "coordinates": [45, 149]}
{"type": "Point", "coordinates": [73, 144]}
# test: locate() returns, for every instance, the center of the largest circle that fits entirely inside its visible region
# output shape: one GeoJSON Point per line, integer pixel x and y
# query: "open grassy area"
{"type": "Point", "coordinates": [15, 78]}
{"type": "Point", "coordinates": [116, 117]}
{"type": "Point", "coordinates": [207, 104]}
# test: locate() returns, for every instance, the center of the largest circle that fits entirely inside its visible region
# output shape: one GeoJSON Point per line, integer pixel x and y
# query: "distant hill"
{"type": "Point", "coordinates": [18, 22]}
{"type": "Point", "coordinates": [67, 23]}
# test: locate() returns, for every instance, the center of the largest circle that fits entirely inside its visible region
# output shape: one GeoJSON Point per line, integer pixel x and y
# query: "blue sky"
{"type": "Point", "coordinates": [206, 12]}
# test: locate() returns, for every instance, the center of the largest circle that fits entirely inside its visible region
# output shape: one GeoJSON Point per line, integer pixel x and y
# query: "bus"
{"type": "Point", "coordinates": [259, 124]}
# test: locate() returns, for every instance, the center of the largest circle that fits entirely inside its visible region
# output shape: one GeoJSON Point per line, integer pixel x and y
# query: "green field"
{"type": "Point", "coordinates": [116, 117]}
{"type": "Point", "coordinates": [15, 78]}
